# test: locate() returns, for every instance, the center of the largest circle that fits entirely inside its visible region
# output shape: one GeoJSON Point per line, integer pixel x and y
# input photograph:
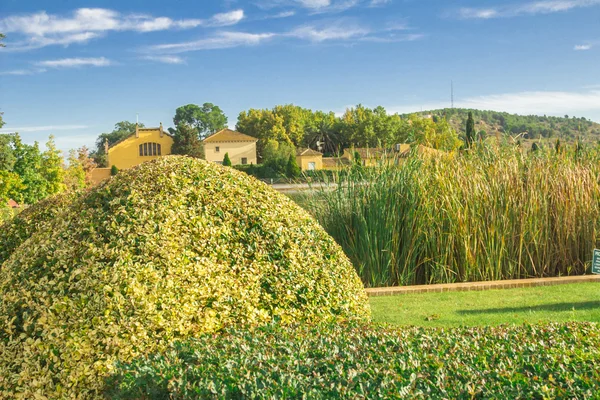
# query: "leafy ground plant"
{"type": "Point", "coordinates": [162, 252]}
{"type": "Point", "coordinates": [506, 362]}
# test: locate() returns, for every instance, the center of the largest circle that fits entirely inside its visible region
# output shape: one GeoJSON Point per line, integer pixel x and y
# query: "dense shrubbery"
{"type": "Point", "coordinates": [488, 214]}
{"type": "Point", "coordinates": [17, 230]}
{"type": "Point", "coordinates": [547, 361]}
{"type": "Point", "coordinates": [168, 250]}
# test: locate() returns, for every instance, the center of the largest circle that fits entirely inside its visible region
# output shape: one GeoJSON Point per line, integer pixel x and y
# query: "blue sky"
{"type": "Point", "coordinates": [74, 68]}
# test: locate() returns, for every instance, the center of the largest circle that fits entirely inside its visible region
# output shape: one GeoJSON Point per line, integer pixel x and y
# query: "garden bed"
{"type": "Point", "coordinates": [529, 361]}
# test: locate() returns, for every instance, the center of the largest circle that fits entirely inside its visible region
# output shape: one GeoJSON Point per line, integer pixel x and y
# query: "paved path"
{"type": "Point", "coordinates": [456, 287]}
{"type": "Point", "coordinates": [302, 187]}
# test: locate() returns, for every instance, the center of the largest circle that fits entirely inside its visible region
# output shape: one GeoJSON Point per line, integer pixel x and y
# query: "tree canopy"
{"type": "Point", "coordinates": [186, 141]}
{"type": "Point", "coordinates": [207, 119]}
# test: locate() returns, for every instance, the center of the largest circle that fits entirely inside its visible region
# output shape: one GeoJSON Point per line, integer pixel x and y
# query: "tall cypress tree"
{"type": "Point", "coordinates": [227, 160]}
{"type": "Point", "coordinates": [470, 130]}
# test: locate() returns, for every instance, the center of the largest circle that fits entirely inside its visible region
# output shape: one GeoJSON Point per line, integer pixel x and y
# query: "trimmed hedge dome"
{"type": "Point", "coordinates": [20, 228]}
{"type": "Point", "coordinates": [164, 251]}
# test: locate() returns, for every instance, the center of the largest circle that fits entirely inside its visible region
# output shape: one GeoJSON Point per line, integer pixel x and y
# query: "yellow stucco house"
{"type": "Point", "coordinates": [309, 160]}
{"type": "Point", "coordinates": [241, 148]}
{"type": "Point", "coordinates": [144, 145]}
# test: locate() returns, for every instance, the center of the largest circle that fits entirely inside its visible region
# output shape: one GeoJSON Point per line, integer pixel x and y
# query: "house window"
{"type": "Point", "coordinates": [150, 149]}
{"type": "Point", "coordinates": [312, 166]}
{"type": "Point", "coordinates": [244, 161]}
{"type": "Point", "coordinates": [217, 149]}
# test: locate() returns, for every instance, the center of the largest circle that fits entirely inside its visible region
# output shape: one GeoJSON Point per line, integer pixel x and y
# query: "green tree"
{"type": "Point", "coordinates": [114, 170]}
{"type": "Point", "coordinates": [53, 169]}
{"type": "Point", "coordinates": [207, 119]}
{"type": "Point", "coordinates": [122, 130]}
{"type": "Point", "coordinates": [292, 168]}
{"type": "Point", "coordinates": [276, 155]}
{"type": "Point", "coordinates": [186, 141]}
{"type": "Point", "coordinates": [75, 176]}
{"type": "Point", "coordinates": [28, 165]}
{"type": "Point", "coordinates": [11, 186]}
{"type": "Point", "coordinates": [7, 157]}
{"type": "Point", "coordinates": [226, 160]}
{"type": "Point", "coordinates": [470, 130]}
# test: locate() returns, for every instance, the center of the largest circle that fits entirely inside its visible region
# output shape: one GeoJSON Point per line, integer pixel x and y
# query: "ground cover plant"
{"type": "Point", "coordinates": [486, 214]}
{"type": "Point", "coordinates": [161, 252]}
{"type": "Point", "coordinates": [560, 303]}
{"type": "Point", "coordinates": [507, 362]}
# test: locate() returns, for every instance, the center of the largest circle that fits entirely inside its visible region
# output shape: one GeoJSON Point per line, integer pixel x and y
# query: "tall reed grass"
{"type": "Point", "coordinates": [487, 215]}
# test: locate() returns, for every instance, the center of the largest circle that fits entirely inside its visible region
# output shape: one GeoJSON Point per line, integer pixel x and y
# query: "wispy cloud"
{"type": "Point", "coordinates": [43, 128]}
{"type": "Point", "coordinates": [84, 24]}
{"type": "Point", "coordinates": [335, 31]}
{"type": "Point", "coordinates": [166, 59]}
{"type": "Point", "coordinates": [529, 8]}
{"type": "Point", "coordinates": [525, 103]}
{"type": "Point", "coordinates": [75, 62]}
{"type": "Point", "coordinates": [220, 40]}
{"type": "Point", "coordinates": [19, 72]}
{"type": "Point", "coordinates": [315, 6]}
{"type": "Point", "coordinates": [379, 3]}
{"type": "Point", "coordinates": [582, 47]}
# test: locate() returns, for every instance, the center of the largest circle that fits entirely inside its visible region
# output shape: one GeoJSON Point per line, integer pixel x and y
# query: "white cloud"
{"type": "Point", "coordinates": [43, 128]}
{"type": "Point", "coordinates": [525, 103]}
{"type": "Point", "coordinates": [221, 40]}
{"type": "Point", "coordinates": [227, 19]}
{"type": "Point", "coordinates": [582, 47]}
{"type": "Point", "coordinates": [337, 31]}
{"type": "Point", "coordinates": [42, 29]}
{"type": "Point", "coordinates": [530, 8]}
{"type": "Point", "coordinates": [75, 62]}
{"type": "Point", "coordinates": [313, 6]}
{"type": "Point", "coordinates": [393, 38]}
{"type": "Point", "coordinates": [18, 72]}
{"type": "Point", "coordinates": [379, 3]}
{"type": "Point", "coordinates": [166, 59]}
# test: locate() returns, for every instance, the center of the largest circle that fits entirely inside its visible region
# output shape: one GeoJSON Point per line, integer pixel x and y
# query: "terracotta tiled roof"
{"type": "Point", "coordinates": [366, 153]}
{"type": "Point", "coordinates": [227, 135]}
{"type": "Point", "coordinates": [12, 204]}
{"type": "Point", "coordinates": [307, 152]}
{"type": "Point", "coordinates": [332, 162]}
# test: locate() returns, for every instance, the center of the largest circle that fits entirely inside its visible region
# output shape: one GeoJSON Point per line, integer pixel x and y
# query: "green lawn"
{"type": "Point", "coordinates": [575, 302]}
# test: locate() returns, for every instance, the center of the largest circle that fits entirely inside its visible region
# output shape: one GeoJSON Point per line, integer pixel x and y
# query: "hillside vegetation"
{"type": "Point", "coordinates": [530, 126]}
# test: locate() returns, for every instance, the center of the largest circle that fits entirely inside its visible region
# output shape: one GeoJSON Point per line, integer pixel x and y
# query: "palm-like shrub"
{"type": "Point", "coordinates": [173, 248]}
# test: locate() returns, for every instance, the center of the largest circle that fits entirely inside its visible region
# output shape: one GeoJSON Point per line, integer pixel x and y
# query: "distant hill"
{"type": "Point", "coordinates": [530, 126]}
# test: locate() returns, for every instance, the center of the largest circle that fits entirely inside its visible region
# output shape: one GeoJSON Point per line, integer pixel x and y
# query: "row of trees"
{"type": "Point", "coordinates": [359, 126]}
{"type": "Point", "coordinates": [28, 174]}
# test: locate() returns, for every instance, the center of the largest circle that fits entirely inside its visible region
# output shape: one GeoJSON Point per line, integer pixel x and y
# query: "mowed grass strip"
{"type": "Point", "coordinates": [562, 303]}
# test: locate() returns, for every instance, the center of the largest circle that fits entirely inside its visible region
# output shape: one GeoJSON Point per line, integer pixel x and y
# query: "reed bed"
{"type": "Point", "coordinates": [485, 215]}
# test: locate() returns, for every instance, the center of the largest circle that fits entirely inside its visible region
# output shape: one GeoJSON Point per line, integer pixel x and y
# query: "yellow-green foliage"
{"type": "Point", "coordinates": [168, 250]}
{"type": "Point", "coordinates": [18, 229]}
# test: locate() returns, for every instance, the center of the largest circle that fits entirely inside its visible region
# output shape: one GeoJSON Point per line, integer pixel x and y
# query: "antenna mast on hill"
{"type": "Point", "coordinates": [451, 94]}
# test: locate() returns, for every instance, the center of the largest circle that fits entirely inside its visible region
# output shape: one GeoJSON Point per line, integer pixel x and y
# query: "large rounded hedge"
{"type": "Point", "coordinates": [20, 228]}
{"type": "Point", "coordinates": [164, 251]}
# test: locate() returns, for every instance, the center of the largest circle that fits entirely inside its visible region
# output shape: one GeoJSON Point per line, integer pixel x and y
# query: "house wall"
{"type": "Point", "coordinates": [304, 160]}
{"type": "Point", "coordinates": [236, 150]}
{"type": "Point", "coordinates": [126, 154]}
{"type": "Point", "coordinates": [100, 174]}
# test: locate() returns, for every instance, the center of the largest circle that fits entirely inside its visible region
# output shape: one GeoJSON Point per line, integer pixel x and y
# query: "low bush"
{"type": "Point", "coordinates": [507, 362]}
{"type": "Point", "coordinates": [168, 250]}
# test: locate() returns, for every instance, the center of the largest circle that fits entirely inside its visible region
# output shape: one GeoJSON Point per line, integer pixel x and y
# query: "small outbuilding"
{"type": "Point", "coordinates": [309, 159]}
